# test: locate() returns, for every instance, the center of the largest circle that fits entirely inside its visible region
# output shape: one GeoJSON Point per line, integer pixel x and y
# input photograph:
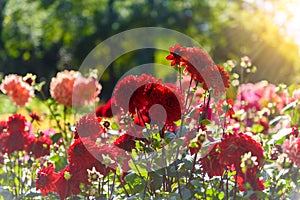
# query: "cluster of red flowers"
{"type": "Point", "coordinates": [228, 155]}
{"type": "Point", "coordinates": [83, 155]}
{"type": "Point", "coordinates": [201, 67]}
{"type": "Point", "coordinates": [14, 137]}
{"type": "Point", "coordinates": [139, 95]}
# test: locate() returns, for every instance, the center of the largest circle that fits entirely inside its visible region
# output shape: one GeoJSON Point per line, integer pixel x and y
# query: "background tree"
{"type": "Point", "coordinates": [46, 36]}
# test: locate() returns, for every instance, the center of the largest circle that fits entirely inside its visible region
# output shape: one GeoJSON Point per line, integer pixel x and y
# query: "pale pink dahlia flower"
{"type": "Point", "coordinates": [71, 88]}
{"type": "Point", "coordinates": [291, 147]}
{"type": "Point", "coordinates": [18, 90]}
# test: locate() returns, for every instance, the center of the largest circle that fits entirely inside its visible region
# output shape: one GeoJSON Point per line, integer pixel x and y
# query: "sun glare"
{"type": "Point", "coordinates": [287, 16]}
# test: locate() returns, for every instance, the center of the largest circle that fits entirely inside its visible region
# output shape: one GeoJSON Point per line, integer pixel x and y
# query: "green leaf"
{"type": "Point", "coordinates": [5, 193]}
{"type": "Point", "coordinates": [114, 126]}
{"type": "Point", "coordinates": [221, 195]}
{"type": "Point", "coordinates": [177, 123]}
{"type": "Point", "coordinates": [257, 128]}
{"type": "Point", "coordinates": [186, 193]}
{"type": "Point", "coordinates": [137, 183]}
{"type": "Point", "coordinates": [56, 137]}
{"type": "Point", "coordinates": [169, 136]}
{"type": "Point", "coordinates": [196, 183]}
{"type": "Point", "coordinates": [54, 158]}
{"type": "Point", "coordinates": [205, 122]}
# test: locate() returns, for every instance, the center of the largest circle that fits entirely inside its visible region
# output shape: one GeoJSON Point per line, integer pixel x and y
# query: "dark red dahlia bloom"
{"type": "Point", "coordinates": [213, 77]}
{"type": "Point", "coordinates": [106, 109]}
{"type": "Point", "coordinates": [176, 53]}
{"type": "Point", "coordinates": [68, 183]}
{"type": "Point", "coordinates": [141, 119]}
{"type": "Point", "coordinates": [201, 67]}
{"type": "Point", "coordinates": [46, 179]}
{"type": "Point", "coordinates": [89, 126]}
{"type": "Point", "coordinates": [81, 157]}
{"type": "Point", "coordinates": [211, 163]}
{"type": "Point", "coordinates": [15, 141]}
{"type": "Point", "coordinates": [113, 157]}
{"type": "Point", "coordinates": [39, 146]}
{"type": "Point", "coordinates": [234, 146]}
{"type": "Point", "coordinates": [125, 141]}
{"type": "Point", "coordinates": [152, 96]}
{"type": "Point", "coordinates": [16, 123]}
{"type": "Point", "coordinates": [127, 86]}
{"type": "Point", "coordinates": [194, 58]}
{"type": "Point", "coordinates": [170, 98]}
{"type": "Point", "coordinates": [140, 95]}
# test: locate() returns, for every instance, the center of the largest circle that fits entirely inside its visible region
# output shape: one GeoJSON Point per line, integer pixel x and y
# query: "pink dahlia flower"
{"type": "Point", "coordinates": [18, 90]}
{"type": "Point", "coordinates": [291, 147]}
{"type": "Point", "coordinates": [71, 88]}
{"type": "Point", "coordinates": [296, 94]}
{"type": "Point", "coordinates": [86, 91]}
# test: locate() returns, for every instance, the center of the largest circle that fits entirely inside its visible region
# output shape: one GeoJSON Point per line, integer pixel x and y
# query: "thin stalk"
{"type": "Point", "coordinates": [123, 186]}
{"type": "Point", "coordinates": [51, 111]}
{"type": "Point", "coordinates": [193, 169]}
{"type": "Point", "coordinates": [112, 187]}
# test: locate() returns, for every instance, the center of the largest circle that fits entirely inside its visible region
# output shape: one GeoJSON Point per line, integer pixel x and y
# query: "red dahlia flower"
{"type": "Point", "coordinates": [130, 84]}
{"type": "Point", "coordinates": [201, 67]}
{"type": "Point", "coordinates": [234, 146]}
{"type": "Point", "coordinates": [16, 139]}
{"type": "Point", "coordinates": [16, 123]}
{"type": "Point", "coordinates": [232, 149]}
{"type": "Point", "coordinates": [89, 126]}
{"type": "Point", "coordinates": [39, 146]}
{"type": "Point", "coordinates": [68, 182]}
{"type": "Point", "coordinates": [106, 109]}
{"type": "Point", "coordinates": [211, 163]}
{"type": "Point", "coordinates": [46, 179]}
{"type": "Point", "coordinates": [137, 95]}
{"type": "Point", "coordinates": [125, 142]}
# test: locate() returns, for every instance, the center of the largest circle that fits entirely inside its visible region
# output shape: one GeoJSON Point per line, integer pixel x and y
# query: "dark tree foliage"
{"type": "Point", "coordinates": [46, 36]}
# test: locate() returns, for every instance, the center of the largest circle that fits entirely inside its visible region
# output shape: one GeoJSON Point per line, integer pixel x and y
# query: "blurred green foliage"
{"type": "Point", "coordinates": [46, 36]}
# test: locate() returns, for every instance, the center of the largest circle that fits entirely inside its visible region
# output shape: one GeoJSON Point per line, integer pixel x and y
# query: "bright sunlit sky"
{"type": "Point", "coordinates": [286, 14]}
